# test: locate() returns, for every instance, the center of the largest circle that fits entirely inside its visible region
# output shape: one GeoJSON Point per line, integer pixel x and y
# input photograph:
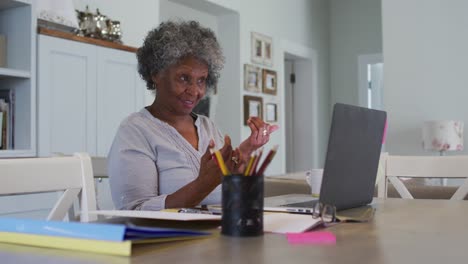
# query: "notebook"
{"type": "Point", "coordinates": [113, 239]}
{"type": "Point", "coordinates": [351, 163]}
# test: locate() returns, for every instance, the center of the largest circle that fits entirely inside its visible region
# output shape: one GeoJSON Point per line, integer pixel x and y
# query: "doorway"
{"type": "Point", "coordinates": [371, 81]}
{"type": "Point", "coordinates": [289, 82]}
{"type": "Point", "coordinates": [301, 113]}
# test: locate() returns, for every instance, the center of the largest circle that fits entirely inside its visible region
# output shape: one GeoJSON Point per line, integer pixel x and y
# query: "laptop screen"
{"type": "Point", "coordinates": [353, 153]}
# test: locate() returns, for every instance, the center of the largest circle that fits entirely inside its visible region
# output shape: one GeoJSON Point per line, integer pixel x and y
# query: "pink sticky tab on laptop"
{"type": "Point", "coordinates": [385, 132]}
{"type": "Point", "coordinates": [317, 237]}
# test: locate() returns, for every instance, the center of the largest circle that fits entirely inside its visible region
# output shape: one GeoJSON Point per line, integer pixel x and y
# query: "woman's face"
{"type": "Point", "coordinates": [181, 86]}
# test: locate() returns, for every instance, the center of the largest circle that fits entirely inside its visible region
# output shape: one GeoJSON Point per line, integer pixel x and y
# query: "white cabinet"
{"type": "Point", "coordinates": [120, 91]}
{"type": "Point", "coordinates": [84, 92]}
{"type": "Point", "coordinates": [18, 26]}
{"type": "Point", "coordinates": [66, 94]}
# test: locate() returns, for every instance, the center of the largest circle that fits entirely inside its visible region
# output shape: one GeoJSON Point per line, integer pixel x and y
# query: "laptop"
{"type": "Point", "coordinates": [351, 164]}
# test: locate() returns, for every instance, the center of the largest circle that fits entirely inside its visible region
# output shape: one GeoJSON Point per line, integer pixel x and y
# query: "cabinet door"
{"type": "Point", "coordinates": [66, 96]}
{"type": "Point", "coordinates": [120, 91]}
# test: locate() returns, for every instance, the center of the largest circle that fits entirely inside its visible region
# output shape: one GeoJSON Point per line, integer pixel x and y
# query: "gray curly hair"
{"type": "Point", "coordinates": [172, 41]}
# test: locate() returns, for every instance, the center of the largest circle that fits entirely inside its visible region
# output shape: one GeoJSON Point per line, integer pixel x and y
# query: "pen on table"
{"type": "Point", "coordinates": [256, 161]}
{"type": "Point", "coordinates": [267, 160]}
{"type": "Point", "coordinates": [220, 161]}
{"type": "Point", "coordinates": [195, 211]}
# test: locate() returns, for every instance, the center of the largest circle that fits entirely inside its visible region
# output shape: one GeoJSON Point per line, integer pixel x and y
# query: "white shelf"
{"type": "Point", "coordinates": [13, 3]}
{"type": "Point", "coordinates": [18, 25]}
{"type": "Point", "coordinates": [17, 153]}
{"type": "Point", "coordinates": [5, 72]}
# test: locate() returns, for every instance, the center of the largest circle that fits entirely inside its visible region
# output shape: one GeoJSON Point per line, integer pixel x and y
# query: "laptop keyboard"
{"type": "Point", "coordinates": [306, 204]}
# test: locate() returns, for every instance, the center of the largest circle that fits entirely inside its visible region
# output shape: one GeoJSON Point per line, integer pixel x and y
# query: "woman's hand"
{"type": "Point", "coordinates": [208, 178]}
{"type": "Point", "coordinates": [259, 135]}
{"type": "Point", "coordinates": [232, 158]}
{"type": "Point", "coordinates": [236, 164]}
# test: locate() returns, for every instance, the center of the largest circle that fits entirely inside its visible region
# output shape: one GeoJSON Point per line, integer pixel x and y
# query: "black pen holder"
{"type": "Point", "coordinates": [242, 203]}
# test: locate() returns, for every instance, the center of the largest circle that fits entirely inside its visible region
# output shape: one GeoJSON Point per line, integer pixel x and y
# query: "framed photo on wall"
{"type": "Point", "coordinates": [252, 78]}
{"type": "Point", "coordinates": [253, 106]}
{"type": "Point", "coordinates": [271, 112]}
{"type": "Point", "coordinates": [268, 51]}
{"type": "Point", "coordinates": [269, 82]}
{"type": "Point", "coordinates": [256, 48]}
{"type": "Point", "coordinates": [261, 49]}
{"type": "Point", "coordinates": [203, 107]}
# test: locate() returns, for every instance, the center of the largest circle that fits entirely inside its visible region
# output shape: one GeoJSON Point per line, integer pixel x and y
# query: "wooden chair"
{"type": "Point", "coordinates": [73, 175]}
{"type": "Point", "coordinates": [423, 167]}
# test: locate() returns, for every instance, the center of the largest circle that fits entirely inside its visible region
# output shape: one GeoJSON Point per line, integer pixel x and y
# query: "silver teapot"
{"type": "Point", "coordinates": [100, 21]}
{"type": "Point", "coordinates": [115, 33]}
{"type": "Point", "coordinates": [98, 26]}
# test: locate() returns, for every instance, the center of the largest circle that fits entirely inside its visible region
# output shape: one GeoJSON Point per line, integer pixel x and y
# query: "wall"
{"type": "Point", "coordinates": [304, 22]}
{"type": "Point", "coordinates": [175, 11]}
{"type": "Point", "coordinates": [425, 76]}
{"type": "Point", "coordinates": [355, 29]}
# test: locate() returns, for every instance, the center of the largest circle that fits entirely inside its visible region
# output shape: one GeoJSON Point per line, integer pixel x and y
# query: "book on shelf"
{"type": "Point", "coordinates": [7, 106]}
{"type": "Point", "coordinates": [1, 129]}
{"type": "Point", "coordinates": [113, 239]}
{"type": "Point", "coordinates": [4, 124]}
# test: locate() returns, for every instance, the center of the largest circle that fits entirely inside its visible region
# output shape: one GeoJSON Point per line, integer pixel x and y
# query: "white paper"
{"type": "Point", "coordinates": [162, 215]}
{"type": "Point", "coordinates": [272, 222]}
{"type": "Point", "coordinates": [254, 108]}
{"type": "Point", "coordinates": [288, 223]}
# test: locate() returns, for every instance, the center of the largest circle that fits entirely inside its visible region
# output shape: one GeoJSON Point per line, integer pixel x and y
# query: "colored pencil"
{"type": "Point", "coordinates": [250, 164]}
{"type": "Point", "coordinates": [267, 160]}
{"type": "Point", "coordinates": [256, 161]}
{"type": "Point", "coordinates": [220, 161]}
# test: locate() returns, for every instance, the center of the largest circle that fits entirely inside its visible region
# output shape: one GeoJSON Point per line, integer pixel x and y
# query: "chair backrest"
{"type": "Point", "coordinates": [73, 175]}
{"type": "Point", "coordinates": [380, 178]}
{"type": "Point", "coordinates": [99, 167]}
{"type": "Point", "coordinates": [424, 167]}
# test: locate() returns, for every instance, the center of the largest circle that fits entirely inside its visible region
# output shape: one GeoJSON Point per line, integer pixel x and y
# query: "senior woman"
{"type": "Point", "coordinates": [160, 155]}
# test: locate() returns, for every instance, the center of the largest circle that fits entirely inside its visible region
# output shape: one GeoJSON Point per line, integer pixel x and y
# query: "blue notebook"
{"type": "Point", "coordinates": [108, 232]}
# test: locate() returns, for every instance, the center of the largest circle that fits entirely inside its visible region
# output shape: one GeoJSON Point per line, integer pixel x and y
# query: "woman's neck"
{"type": "Point", "coordinates": [167, 116]}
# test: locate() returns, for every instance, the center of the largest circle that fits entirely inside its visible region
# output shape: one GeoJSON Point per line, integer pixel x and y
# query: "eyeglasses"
{"type": "Point", "coordinates": [326, 212]}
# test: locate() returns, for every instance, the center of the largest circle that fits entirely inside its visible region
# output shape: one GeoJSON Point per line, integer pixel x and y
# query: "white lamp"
{"type": "Point", "coordinates": [442, 136]}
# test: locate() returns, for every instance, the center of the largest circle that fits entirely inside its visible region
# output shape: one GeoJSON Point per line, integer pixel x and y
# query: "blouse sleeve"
{"type": "Point", "coordinates": [132, 171]}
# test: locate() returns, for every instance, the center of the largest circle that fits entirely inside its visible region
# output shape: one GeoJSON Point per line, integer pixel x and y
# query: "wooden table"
{"type": "Point", "coordinates": [403, 231]}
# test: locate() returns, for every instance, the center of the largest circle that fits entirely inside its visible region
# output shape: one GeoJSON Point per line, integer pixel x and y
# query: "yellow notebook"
{"type": "Point", "coordinates": [102, 238]}
{"type": "Point", "coordinates": [121, 248]}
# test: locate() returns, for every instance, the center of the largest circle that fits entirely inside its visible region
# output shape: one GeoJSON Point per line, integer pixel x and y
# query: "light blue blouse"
{"type": "Point", "coordinates": [149, 159]}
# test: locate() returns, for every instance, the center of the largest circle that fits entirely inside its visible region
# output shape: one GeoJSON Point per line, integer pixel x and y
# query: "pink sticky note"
{"type": "Point", "coordinates": [317, 237]}
{"type": "Point", "coordinates": [384, 132]}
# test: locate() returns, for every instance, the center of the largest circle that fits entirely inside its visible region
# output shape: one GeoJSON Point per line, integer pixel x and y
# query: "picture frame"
{"type": "Point", "coordinates": [261, 49]}
{"type": "Point", "coordinates": [270, 82]}
{"type": "Point", "coordinates": [271, 112]}
{"type": "Point", "coordinates": [203, 107]}
{"type": "Point", "coordinates": [253, 106]}
{"type": "Point", "coordinates": [252, 78]}
{"type": "Point", "coordinates": [268, 51]}
{"type": "Point", "coordinates": [256, 49]}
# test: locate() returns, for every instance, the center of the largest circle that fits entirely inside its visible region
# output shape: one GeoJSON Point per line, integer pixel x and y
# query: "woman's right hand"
{"type": "Point", "coordinates": [210, 173]}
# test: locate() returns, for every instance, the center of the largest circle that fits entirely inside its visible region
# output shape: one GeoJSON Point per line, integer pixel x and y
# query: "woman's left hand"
{"type": "Point", "coordinates": [259, 135]}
